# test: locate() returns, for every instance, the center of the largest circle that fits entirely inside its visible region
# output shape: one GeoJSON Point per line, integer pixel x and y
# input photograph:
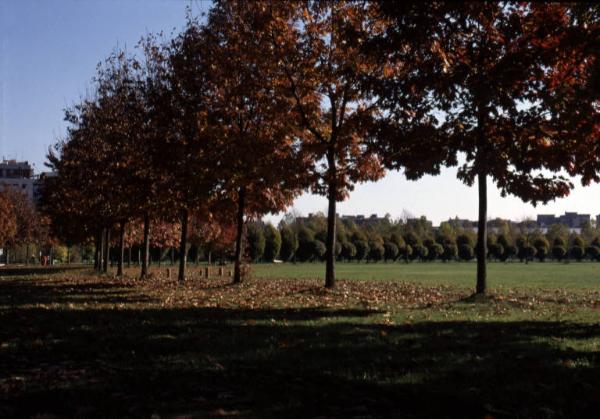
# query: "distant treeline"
{"type": "Point", "coordinates": [302, 239]}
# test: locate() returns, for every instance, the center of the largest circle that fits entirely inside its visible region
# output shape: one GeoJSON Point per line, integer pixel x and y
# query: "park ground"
{"type": "Point", "coordinates": [391, 340]}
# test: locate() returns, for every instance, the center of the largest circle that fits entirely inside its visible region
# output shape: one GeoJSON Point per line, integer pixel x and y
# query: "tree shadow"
{"type": "Point", "coordinates": [26, 292]}
{"type": "Point", "coordinates": [317, 362]}
{"type": "Point", "coordinates": [25, 270]}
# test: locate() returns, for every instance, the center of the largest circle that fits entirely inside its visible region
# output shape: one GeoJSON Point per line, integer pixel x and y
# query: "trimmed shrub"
{"type": "Point", "coordinates": [577, 253]}
{"type": "Point", "coordinates": [510, 251]}
{"type": "Point", "coordinates": [319, 249]}
{"type": "Point", "coordinates": [559, 252]}
{"type": "Point", "coordinates": [593, 252]}
{"type": "Point", "coordinates": [529, 252]}
{"type": "Point", "coordinates": [362, 249]}
{"type": "Point", "coordinates": [256, 241]}
{"type": "Point", "coordinates": [407, 252]}
{"type": "Point", "coordinates": [376, 251]}
{"type": "Point", "coordinates": [466, 252]}
{"type": "Point", "coordinates": [348, 250]}
{"type": "Point", "coordinates": [272, 243]}
{"type": "Point", "coordinates": [450, 252]}
{"type": "Point", "coordinates": [420, 252]}
{"type": "Point", "coordinates": [391, 251]}
{"type": "Point", "coordinates": [496, 251]}
{"type": "Point", "coordinates": [289, 244]}
{"type": "Point", "coordinates": [435, 251]}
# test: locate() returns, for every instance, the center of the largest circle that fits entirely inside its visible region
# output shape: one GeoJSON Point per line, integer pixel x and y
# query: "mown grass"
{"type": "Point", "coordinates": [76, 344]}
{"type": "Point", "coordinates": [515, 274]}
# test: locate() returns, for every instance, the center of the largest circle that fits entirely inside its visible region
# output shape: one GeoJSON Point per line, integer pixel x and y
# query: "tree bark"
{"type": "Point", "coordinates": [237, 270]}
{"type": "Point", "coordinates": [330, 245]}
{"type": "Point", "coordinates": [482, 235]}
{"type": "Point", "coordinates": [99, 250]}
{"type": "Point", "coordinates": [106, 250]}
{"type": "Point", "coordinates": [121, 261]}
{"type": "Point", "coordinates": [146, 247]}
{"type": "Point", "coordinates": [183, 245]}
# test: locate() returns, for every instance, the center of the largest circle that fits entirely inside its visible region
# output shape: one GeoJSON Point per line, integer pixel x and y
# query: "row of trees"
{"type": "Point", "coordinates": [303, 239]}
{"type": "Point", "coordinates": [239, 113]}
{"type": "Point", "coordinates": [21, 225]}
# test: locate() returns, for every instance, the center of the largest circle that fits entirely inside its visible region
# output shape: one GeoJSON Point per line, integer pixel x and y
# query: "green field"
{"type": "Point", "coordinates": [77, 344]}
{"type": "Point", "coordinates": [500, 275]}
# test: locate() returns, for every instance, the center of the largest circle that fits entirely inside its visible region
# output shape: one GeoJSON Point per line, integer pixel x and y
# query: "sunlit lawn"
{"type": "Point", "coordinates": [75, 344]}
{"type": "Point", "coordinates": [462, 274]}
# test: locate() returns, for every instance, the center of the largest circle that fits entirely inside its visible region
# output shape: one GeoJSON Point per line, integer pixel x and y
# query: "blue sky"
{"type": "Point", "coordinates": [48, 53]}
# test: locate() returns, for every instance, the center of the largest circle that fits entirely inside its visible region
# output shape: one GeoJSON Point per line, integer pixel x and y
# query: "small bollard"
{"type": "Point", "coordinates": [168, 273]}
{"type": "Point", "coordinates": [220, 271]}
{"type": "Point", "coordinates": [206, 272]}
{"type": "Point", "coordinates": [230, 273]}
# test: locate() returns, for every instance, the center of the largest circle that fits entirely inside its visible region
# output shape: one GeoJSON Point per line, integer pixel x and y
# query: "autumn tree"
{"type": "Point", "coordinates": [484, 80]}
{"type": "Point", "coordinates": [573, 94]}
{"type": "Point", "coordinates": [27, 219]}
{"type": "Point", "coordinates": [190, 158]}
{"type": "Point", "coordinates": [263, 169]}
{"type": "Point", "coordinates": [320, 50]}
{"type": "Point", "coordinates": [8, 220]}
{"type": "Point", "coordinates": [75, 199]}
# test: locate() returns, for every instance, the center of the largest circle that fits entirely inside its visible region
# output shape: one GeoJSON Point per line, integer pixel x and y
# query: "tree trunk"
{"type": "Point", "coordinates": [330, 245]}
{"type": "Point", "coordinates": [183, 245]}
{"type": "Point", "coordinates": [99, 250]}
{"type": "Point", "coordinates": [146, 247]}
{"type": "Point", "coordinates": [106, 250]}
{"type": "Point", "coordinates": [121, 261]}
{"type": "Point", "coordinates": [237, 270]}
{"type": "Point", "coordinates": [482, 235]}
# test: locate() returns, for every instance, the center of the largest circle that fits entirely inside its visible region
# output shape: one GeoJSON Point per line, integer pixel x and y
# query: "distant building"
{"type": "Point", "coordinates": [462, 223]}
{"type": "Point", "coordinates": [546, 220]}
{"type": "Point", "coordinates": [362, 220]}
{"type": "Point", "coordinates": [572, 220]}
{"type": "Point", "coordinates": [17, 176]}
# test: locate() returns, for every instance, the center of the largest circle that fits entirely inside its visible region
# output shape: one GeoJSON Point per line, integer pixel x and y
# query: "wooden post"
{"type": "Point", "coordinates": [207, 272]}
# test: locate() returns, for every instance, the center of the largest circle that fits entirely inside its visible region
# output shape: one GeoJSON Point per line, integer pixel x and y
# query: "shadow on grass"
{"type": "Point", "coordinates": [28, 270]}
{"type": "Point", "coordinates": [21, 292]}
{"type": "Point", "coordinates": [285, 363]}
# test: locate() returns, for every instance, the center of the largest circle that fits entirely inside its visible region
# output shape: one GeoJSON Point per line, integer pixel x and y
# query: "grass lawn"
{"type": "Point", "coordinates": [76, 344]}
{"type": "Point", "coordinates": [500, 275]}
